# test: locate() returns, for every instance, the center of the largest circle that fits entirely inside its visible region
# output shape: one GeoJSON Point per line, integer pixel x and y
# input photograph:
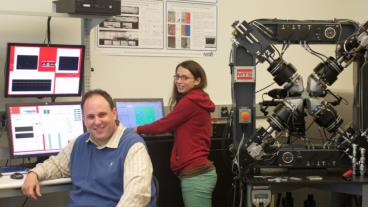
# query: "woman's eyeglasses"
{"type": "Point", "coordinates": [181, 77]}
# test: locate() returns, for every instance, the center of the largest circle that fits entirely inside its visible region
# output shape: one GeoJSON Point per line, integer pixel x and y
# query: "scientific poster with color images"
{"type": "Point", "coordinates": [160, 27]}
{"type": "Point", "coordinates": [191, 26]}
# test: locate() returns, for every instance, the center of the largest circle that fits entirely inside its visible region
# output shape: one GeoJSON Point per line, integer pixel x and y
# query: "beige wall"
{"type": "Point", "coordinates": [129, 76]}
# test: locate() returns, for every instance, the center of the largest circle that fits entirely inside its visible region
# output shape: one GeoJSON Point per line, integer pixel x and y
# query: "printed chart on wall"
{"type": "Point", "coordinates": [161, 28]}
{"type": "Point", "coordinates": [140, 25]}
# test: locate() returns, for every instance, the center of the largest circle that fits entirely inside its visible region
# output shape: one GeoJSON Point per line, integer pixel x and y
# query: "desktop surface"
{"type": "Point", "coordinates": [12, 188]}
{"type": "Point", "coordinates": [150, 137]}
{"type": "Point", "coordinates": [7, 170]}
{"type": "Point", "coordinates": [305, 177]}
{"type": "Point", "coordinates": [8, 183]}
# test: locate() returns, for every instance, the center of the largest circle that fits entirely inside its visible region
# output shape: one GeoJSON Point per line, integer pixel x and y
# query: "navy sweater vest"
{"type": "Point", "coordinates": [97, 174]}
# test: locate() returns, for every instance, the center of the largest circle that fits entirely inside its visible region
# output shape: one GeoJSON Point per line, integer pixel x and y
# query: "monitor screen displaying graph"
{"type": "Point", "coordinates": [42, 129]}
{"type": "Point", "coordinates": [135, 112]}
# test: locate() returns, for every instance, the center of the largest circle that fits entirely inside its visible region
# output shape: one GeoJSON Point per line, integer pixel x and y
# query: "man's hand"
{"type": "Point", "coordinates": [31, 186]}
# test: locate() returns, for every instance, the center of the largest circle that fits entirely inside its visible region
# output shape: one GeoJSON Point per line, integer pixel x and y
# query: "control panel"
{"type": "Point", "coordinates": [300, 157]}
{"type": "Point", "coordinates": [261, 196]}
{"type": "Point", "coordinates": [245, 115]}
{"type": "Point", "coordinates": [310, 32]}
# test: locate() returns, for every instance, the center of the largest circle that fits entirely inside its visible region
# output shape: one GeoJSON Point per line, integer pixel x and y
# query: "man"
{"type": "Point", "coordinates": [109, 165]}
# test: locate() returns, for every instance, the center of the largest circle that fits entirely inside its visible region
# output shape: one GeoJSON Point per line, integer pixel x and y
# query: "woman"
{"type": "Point", "coordinates": [190, 122]}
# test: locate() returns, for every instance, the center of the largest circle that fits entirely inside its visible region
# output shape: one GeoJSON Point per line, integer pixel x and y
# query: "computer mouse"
{"type": "Point", "coordinates": [16, 176]}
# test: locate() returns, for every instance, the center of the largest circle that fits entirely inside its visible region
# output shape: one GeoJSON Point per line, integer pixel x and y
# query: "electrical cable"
{"type": "Point", "coordinates": [24, 202]}
{"type": "Point", "coordinates": [277, 50]}
{"type": "Point", "coordinates": [236, 180]}
{"type": "Point", "coordinates": [265, 87]}
{"type": "Point", "coordinates": [313, 52]}
{"type": "Point", "coordinates": [285, 46]}
{"type": "Point", "coordinates": [230, 57]}
{"type": "Point", "coordinates": [323, 135]}
{"type": "Point", "coordinates": [236, 161]}
{"type": "Point", "coordinates": [2, 130]}
{"type": "Point", "coordinates": [240, 192]}
{"type": "Point", "coordinates": [338, 98]}
{"type": "Point", "coordinates": [267, 31]}
{"type": "Point", "coordinates": [48, 31]}
{"type": "Point", "coordinates": [358, 200]}
{"type": "Point", "coordinates": [235, 164]}
{"type": "Point", "coordinates": [339, 38]}
{"type": "Point", "coordinates": [234, 194]}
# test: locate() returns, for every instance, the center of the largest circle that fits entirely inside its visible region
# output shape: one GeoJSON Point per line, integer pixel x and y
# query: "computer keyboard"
{"type": "Point", "coordinates": [14, 168]}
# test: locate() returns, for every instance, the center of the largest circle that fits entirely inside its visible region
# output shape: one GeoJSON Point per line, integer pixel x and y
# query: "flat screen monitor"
{"type": "Point", "coordinates": [135, 112]}
{"type": "Point", "coordinates": [41, 70]}
{"type": "Point", "coordinates": [40, 129]}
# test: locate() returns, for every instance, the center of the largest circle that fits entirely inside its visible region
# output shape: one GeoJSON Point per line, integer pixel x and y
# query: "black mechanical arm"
{"type": "Point", "coordinates": [258, 39]}
{"type": "Point", "coordinates": [326, 73]}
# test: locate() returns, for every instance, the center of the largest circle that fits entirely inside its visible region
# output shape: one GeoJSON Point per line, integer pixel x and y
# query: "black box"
{"type": "Point", "coordinates": [89, 7]}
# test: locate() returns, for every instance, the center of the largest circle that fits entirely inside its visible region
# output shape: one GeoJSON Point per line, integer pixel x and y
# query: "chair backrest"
{"type": "Point", "coordinates": [155, 188]}
{"type": "Point", "coordinates": [157, 185]}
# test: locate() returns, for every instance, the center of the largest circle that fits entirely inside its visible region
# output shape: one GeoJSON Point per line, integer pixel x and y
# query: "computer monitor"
{"type": "Point", "coordinates": [41, 129]}
{"type": "Point", "coordinates": [135, 112]}
{"type": "Point", "coordinates": [41, 70]}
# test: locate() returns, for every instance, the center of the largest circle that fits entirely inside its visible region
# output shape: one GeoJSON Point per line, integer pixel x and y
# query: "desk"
{"type": "Point", "coordinates": [11, 187]}
{"type": "Point", "coordinates": [330, 182]}
{"type": "Point", "coordinates": [159, 149]}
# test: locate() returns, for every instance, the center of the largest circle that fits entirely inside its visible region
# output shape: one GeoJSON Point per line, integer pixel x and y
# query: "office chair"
{"type": "Point", "coordinates": [157, 185]}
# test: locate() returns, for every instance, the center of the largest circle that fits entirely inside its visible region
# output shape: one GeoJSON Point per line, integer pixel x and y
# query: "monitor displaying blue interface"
{"type": "Point", "coordinates": [135, 112]}
{"type": "Point", "coordinates": [42, 129]}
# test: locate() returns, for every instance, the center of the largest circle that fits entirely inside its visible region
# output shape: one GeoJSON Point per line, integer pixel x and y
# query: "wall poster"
{"type": "Point", "coordinates": [161, 28]}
